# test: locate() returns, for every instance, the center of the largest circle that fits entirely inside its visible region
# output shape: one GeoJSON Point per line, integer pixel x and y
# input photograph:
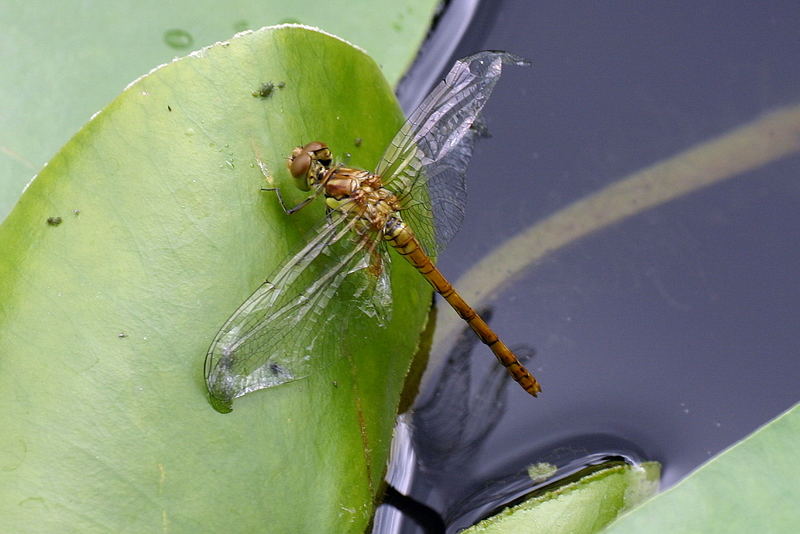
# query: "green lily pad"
{"type": "Point", "coordinates": [751, 487]}
{"type": "Point", "coordinates": [63, 62]}
{"type": "Point", "coordinates": [105, 318]}
{"type": "Point", "coordinates": [583, 506]}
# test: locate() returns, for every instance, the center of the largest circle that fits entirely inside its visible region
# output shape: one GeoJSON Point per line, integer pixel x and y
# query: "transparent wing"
{"type": "Point", "coordinates": [373, 291]}
{"type": "Point", "coordinates": [272, 337]}
{"type": "Point", "coordinates": [434, 146]}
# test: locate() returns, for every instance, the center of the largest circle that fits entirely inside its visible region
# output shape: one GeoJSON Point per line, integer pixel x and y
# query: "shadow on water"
{"type": "Point", "coordinates": [436, 444]}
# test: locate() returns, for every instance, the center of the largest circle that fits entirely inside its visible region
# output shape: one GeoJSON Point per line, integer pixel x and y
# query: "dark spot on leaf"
{"type": "Point", "coordinates": [264, 91]}
{"type": "Point", "coordinates": [54, 221]}
{"type": "Point", "coordinates": [267, 88]}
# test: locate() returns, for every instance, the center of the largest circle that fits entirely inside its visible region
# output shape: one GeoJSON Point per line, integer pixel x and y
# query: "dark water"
{"type": "Point", "coordinates": [672, 334]}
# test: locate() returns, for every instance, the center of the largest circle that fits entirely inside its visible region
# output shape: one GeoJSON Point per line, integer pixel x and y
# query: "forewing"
{"type": "Point", "coordinates": [272, 337]}
{"type": "Point", "coordinates": [434, 146]}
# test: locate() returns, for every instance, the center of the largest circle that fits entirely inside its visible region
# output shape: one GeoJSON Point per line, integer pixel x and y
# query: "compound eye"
{"type": "Point", "coordinates": [320, 152]}
{"type": "Point", "coordinates": [299, 163]}
{"type": "Point", "coordinates": [315, 146]}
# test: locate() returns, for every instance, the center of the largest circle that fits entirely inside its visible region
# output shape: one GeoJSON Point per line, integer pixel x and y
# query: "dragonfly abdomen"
{"type": "Point", "coordinates": [405, 242]}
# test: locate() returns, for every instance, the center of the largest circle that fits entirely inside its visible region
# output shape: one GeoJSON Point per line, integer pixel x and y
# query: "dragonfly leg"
{"type": "Point", "coordinates": [288, 211]}
{"type": "Point", "coordinates": [293, 209]}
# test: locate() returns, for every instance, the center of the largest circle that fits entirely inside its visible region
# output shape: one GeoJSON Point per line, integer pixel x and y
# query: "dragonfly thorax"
{"type": "Point", "coordinates": [359, 193]}
{"type": "Point", "coordinates": [344, 182]}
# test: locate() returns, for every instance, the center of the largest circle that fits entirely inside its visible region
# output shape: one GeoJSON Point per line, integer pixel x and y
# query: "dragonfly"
{"type": "Point", "coordinates": [413, 202]}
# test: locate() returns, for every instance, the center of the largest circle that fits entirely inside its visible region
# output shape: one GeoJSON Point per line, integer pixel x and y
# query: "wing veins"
{"type": "Point", "coordinates": [240, 361]}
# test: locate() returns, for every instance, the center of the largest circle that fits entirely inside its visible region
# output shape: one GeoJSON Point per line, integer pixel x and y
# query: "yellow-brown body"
{"type": "Point", "coordinates": [378, 208]}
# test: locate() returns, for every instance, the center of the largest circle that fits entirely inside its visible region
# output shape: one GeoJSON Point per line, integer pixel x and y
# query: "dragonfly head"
{"type": "Point", "coordinates": [309, 163]}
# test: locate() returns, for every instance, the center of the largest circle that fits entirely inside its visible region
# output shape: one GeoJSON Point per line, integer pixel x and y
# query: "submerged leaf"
{"type": "Point", "coordinates": [583, 506]}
